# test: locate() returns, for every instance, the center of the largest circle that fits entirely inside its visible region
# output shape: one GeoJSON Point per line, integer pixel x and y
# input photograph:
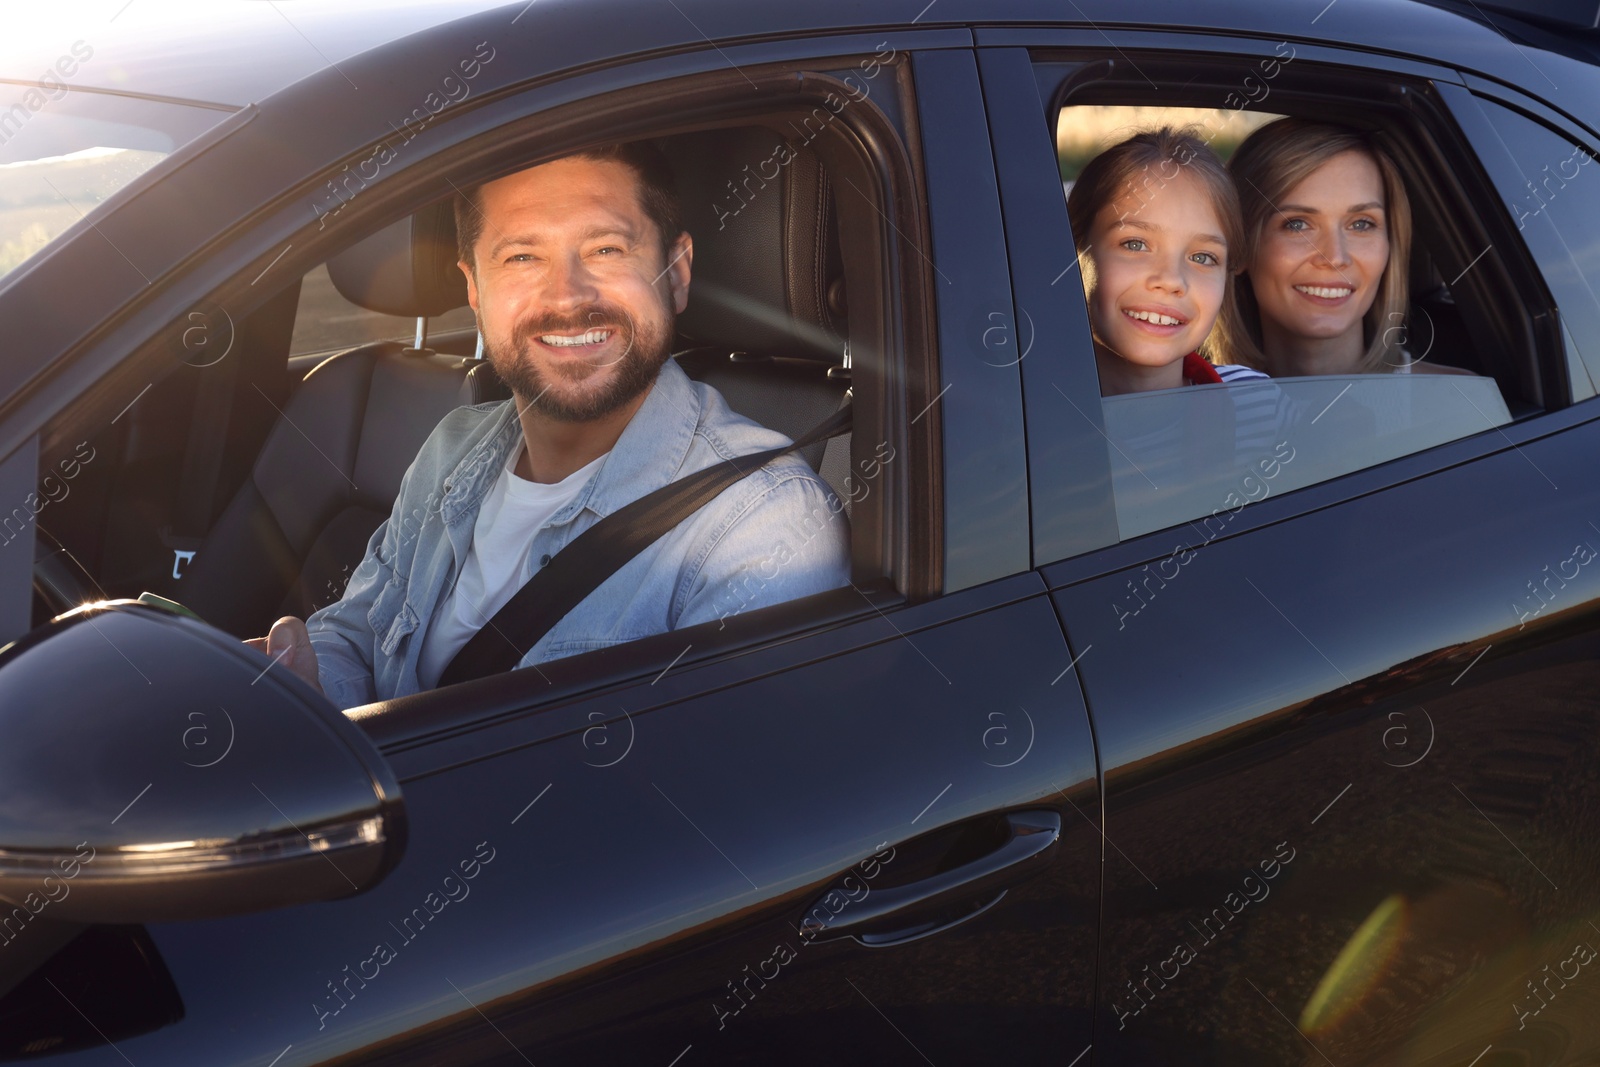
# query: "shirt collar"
{"type": "Point", "coordinates": [1197, 370]}
{"type": "Point", "coordinates": [651, 450]}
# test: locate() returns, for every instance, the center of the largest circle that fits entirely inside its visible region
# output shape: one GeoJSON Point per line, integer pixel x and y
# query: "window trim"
{"type": "Point", "coordinates": [1486, 140]}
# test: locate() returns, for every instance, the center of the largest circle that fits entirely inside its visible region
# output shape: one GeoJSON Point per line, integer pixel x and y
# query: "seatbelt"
{"type": "Point", "coordinates": [601, 551]}
{"type": "Point", "coordinates": [202, 463]}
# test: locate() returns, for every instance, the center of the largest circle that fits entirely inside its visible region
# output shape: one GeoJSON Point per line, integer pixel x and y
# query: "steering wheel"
{"type": "Point", "coordinates": [59, 580]}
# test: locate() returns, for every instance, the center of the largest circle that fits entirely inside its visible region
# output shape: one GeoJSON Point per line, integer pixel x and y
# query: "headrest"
{"type": "Point", "coordinates": [767, 267]}
{"type": "Point", "coordinates": [407, 268]}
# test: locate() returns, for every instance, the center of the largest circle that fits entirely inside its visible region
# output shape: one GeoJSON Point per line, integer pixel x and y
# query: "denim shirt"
{"type": "Point", "coordinates": [776, 534]}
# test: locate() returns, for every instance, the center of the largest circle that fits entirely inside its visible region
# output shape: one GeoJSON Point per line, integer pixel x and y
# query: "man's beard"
{"type": "Point", "coordinates": [645, 350]}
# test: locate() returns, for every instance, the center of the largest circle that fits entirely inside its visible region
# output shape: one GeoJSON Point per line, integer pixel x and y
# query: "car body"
{"type": "Point", "coordinates": [1311, 780]}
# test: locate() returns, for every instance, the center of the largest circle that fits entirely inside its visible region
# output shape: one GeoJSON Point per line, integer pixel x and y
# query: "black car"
{"type": "Point", "coordinates": [1259, 762]}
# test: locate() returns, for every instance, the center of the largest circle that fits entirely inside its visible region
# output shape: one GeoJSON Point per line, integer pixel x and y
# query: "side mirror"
{"type": "Point", "coordinates": [153, 768]}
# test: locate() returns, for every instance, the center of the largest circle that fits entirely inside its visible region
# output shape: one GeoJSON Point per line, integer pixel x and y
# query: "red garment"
{"type": "Point", "coordinates": [1197, 370]}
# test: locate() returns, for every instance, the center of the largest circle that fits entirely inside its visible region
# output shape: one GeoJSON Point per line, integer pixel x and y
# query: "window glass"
{"type": "Point", "coordinates": [1203, 452]}
{"type": "Point", "coordinates": [1551, 187]}
{"type": "Point", "coordinates": [1199, 452]}
{"type": "Point", "coordinates": [62, 153]}
{"type": "Point", "coordinates": [326, 322]}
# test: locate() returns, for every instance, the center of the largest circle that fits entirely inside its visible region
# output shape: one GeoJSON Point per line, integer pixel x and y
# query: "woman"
{"type": "Point", "coordinates": [1325, 290]}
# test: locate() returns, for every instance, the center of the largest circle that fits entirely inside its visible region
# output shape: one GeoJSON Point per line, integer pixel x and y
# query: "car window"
{"type": "Point", "coordinates": [1199, 452]}
{"type": "Point", "coordinates": [1551, 186]}
{"type": "Point", "coordinates": [1204, 452]}
{"type": "Point", "coordinates": [62, 153]}
{"type": "Point", "coordinates": [335, 448]}
{"type": "Point", "coordinates": [325, 321]}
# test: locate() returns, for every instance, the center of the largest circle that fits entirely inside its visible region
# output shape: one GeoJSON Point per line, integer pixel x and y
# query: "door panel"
{"type": "Point", "coordinates": [733, 814]}
{"type": "Point", "coordinates": [595, 894]}
{"type": "Point", "coordinates": [1350, 776]}
{"type": "Point", "coordinates": [611, 876]}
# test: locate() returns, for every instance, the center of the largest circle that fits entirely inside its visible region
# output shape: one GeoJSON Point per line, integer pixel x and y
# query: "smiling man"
{"type": "Point", "coordinates": [576, 269]}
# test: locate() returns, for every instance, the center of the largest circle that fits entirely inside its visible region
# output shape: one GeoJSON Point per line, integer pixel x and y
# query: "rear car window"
{"type": "Point", "coordinates": [1199, 453]}
{"type": "Point", "coordinates": [326, 322]}
{"type": "Point", "coordinates": [1205, 451]}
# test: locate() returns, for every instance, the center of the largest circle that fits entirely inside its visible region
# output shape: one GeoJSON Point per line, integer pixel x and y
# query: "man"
{"type": "Point", "coordinates": [576, 270]}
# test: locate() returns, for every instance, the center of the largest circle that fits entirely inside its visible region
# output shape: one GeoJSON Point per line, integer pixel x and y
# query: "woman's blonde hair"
{"type": "Point", "coordinates": [1149, 160]}
{"type": "Point", "coordinates": [1271, 162]}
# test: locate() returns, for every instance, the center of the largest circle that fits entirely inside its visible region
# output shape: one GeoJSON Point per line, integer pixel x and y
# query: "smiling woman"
{"type": "Point", "coordinates": [1331, 227]}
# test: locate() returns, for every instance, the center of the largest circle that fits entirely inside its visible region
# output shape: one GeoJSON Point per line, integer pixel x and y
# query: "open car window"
{"type": "Point", "coordinates": [327, 399]}
{"type": "Point", "coordinates": [1196, 454]}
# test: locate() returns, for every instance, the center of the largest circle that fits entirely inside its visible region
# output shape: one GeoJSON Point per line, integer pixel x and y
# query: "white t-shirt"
{"type": "Point", "coordinates": [497, 563]}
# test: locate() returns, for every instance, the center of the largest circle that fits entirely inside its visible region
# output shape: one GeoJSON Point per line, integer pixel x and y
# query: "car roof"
{"type": "Point", "coordinates": [228, 52]}
{"type": "Point", "coordinates": [237, 52]}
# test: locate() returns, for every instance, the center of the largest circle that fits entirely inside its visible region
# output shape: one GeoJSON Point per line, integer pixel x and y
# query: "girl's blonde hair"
{"type": "Point", "coordinates": [1144, 164]}
{"type": "Point", "coordinates": [1271, 162]}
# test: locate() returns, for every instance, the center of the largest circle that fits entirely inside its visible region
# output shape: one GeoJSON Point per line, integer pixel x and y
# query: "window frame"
{"type": "Point", "coordinates": [897, 543]}
{"type": "Point", "coordinates": [1034, 52]}
{"type": "Point", "coordinates": [1496, 158]}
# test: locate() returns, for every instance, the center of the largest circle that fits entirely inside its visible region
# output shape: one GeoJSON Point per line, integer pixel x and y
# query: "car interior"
{"type": "Point", "coordinates": [298, 484]}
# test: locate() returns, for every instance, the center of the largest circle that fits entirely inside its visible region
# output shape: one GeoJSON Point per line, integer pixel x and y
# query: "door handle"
{"type": "Point", "coordinates": [907, 912]}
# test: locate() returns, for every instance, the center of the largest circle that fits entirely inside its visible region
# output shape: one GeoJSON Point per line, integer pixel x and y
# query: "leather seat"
{"type": "Point", "coordinates": [331, 466]}
{"type": "Point", "coordinates": [766, 315]}
{"type": "Point", "coordinates": [764, 326]}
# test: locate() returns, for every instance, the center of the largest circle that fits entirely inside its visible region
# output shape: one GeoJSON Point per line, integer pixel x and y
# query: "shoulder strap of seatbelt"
{"type": "Point", "coordinates": [202, 461]}
{"type": "Point", "coordinates": [599, 552]}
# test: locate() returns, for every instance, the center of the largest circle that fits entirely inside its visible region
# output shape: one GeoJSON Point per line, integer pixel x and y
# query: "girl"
{"type": "Point", "coordinates": [1157, 225]}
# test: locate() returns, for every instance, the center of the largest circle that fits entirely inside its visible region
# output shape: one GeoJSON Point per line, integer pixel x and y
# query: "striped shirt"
{"type": "Point", "coordinates": [1177, 454]}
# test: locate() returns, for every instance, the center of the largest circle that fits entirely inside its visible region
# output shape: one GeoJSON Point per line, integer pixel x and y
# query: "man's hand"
{"type": "Point", "coordinates": [288, 643]}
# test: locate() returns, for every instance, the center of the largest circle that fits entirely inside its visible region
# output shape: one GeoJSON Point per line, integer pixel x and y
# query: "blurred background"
{"type": "Point", "coordinates": [1084, 132]}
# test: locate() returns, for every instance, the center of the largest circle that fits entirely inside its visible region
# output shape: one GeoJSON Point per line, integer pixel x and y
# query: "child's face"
{"type": "Point", "coordinates": [1157, 272]}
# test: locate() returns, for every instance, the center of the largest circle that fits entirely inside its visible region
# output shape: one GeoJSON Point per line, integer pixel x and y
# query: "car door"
{"type": "Point", "coordinates": [1348, 737]}
{"type": "Point", "coordinates": [860, 825]}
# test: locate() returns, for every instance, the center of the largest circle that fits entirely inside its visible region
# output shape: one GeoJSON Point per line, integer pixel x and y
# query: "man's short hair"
{"type": "Point", "coordinates": [658, 190]}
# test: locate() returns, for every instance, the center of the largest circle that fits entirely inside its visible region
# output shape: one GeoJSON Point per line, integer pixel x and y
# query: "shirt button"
{"type": "Point", "coordinates": [544, 559]}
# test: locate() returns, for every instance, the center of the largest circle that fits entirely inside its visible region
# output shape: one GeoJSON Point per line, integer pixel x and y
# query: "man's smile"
{"type": "Point", "coordinates": [587, 338]}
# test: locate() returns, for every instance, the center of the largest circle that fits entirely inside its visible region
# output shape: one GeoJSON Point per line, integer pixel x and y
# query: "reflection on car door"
{"type": "Point", "coordinates": [717, 819]}
{"type": "Point", "coordinates": [1357, 797]}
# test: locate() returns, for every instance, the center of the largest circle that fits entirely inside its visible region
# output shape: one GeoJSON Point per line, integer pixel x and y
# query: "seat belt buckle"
{"type": "Point", "coordinates": [183, 550]}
